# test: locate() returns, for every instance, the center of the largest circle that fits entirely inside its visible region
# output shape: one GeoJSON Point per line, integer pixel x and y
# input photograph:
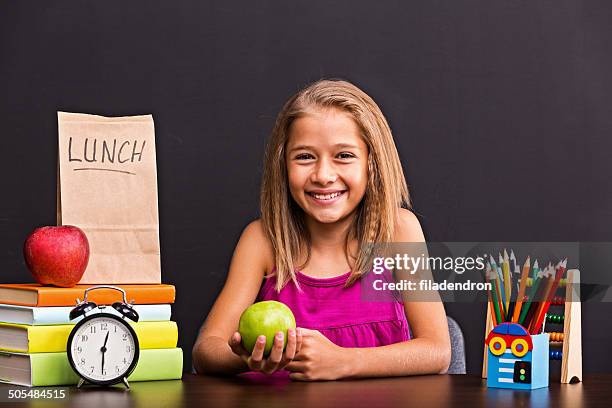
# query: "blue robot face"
{"type": "Point", "coordinates": [510, 347]}
{"type": "Point", "coordinates": [509, 335]}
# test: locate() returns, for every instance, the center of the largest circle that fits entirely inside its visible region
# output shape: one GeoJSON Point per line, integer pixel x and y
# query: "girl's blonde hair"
{"type": "Point", "coordinates": [386, 190]}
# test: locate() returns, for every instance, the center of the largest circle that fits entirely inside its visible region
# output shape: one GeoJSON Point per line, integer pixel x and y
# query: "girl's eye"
{"type": "Point", "coordinates": [304, 156]}
{"type": "Point", "coordinates": [346, 155]}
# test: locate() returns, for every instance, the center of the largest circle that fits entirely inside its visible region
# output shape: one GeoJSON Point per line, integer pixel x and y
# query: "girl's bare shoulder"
{"type": "Point", "coordinates": [255, 241]}
{"type": "Point", "coordinates": [408, 228]}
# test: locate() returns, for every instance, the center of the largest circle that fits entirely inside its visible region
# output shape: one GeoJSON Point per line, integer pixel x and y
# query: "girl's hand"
{"type": "Point", "coordinates": [277, 360]}
{"type": "Point", "coordinates": [319, 359]}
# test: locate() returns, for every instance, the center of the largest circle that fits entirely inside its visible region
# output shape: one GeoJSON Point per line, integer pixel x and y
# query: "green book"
{"type": "Point", "coordinates": [46, 369]}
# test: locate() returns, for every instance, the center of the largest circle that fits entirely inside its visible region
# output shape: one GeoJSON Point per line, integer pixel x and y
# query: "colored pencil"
{"type": "Point", "coordinates": [500, 271]}
{"type": "Point", "coordinates": [545, 278]}
{"type": "Point", "coordinates": [521, 292]}
{"type": "Point", "coordinates": [501, 293]}
{"type": "Point", "coordinates": [507, 282]}
{"type": "Point", "coordinates": [540, 318]}
{"type": "Point", "coordinates": [541, 298]}
{"type": "Point", "coordinates": [491, 305]}
{"type": "Point", "coordinates": [498, 291]}
{"type": "Point", "coordinates": [492, 276]}
{"type": "Point", "coordinates": [534, 288]}
{"type": "Point", "coordinates": [512, 262]}
{"type": "Point", "coordinates": [527, 310]}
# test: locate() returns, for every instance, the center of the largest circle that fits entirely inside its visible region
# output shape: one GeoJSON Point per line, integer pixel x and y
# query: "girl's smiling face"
{"type": "Point", "coordinates": [327, 164]}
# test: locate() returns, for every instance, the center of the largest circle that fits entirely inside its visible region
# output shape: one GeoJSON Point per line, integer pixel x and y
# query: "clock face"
{"type": "Point", "coordinates": [103, 348]}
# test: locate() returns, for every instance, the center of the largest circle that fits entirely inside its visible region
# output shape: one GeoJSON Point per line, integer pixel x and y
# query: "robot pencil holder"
{"type": "Point", "coordinates": [517, 359]}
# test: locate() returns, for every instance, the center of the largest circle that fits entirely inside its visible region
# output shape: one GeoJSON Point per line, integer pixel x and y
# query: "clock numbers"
{"type": "Point", "coordinates": [103, 349]}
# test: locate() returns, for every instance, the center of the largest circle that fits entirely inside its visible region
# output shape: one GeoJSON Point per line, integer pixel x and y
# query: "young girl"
{"type": "Point", "coordinates": [332, 183]}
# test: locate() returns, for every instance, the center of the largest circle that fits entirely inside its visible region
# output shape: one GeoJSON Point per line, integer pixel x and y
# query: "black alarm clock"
{"type": "Point", "coordinates": [103, 347]}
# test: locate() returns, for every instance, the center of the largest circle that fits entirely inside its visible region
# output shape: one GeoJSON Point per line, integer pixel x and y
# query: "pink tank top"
{"type": "Point", "coordinates": [339, 313]}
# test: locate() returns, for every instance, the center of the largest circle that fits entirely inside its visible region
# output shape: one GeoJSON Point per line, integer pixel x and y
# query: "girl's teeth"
{"type": "Point", "coordinates": [326, 196]}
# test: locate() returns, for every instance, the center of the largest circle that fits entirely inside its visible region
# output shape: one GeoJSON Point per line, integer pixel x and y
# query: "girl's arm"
{"type": "Point", "coordinates": [252, 257]}
{"type": "Point", "coordinates": [427, 353]}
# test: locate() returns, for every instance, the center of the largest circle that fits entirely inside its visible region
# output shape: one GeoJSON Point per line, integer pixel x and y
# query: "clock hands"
{"type": "Point", "coordinates": [103, 350]}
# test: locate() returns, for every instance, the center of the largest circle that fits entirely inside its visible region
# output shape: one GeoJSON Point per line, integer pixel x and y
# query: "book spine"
{"type": "Point", "coordinates": [49, 369]}
{"type": "Point", "coordinates": [159, 364]}
{"type": "Point", "coordinates": [43, 339]}
{"type": "Point", "coordinates": [59, 314]}
{"type": "Point", "coordinates": [156, 335]}
{"type": "Point", "coordinates": [50, 315]}
{"type": "Point", "coordinates": [51, 339]}
{"type": "Point", "coordinates": [154, 313]}
{"type": "Point", "coordinates": [144, 296]}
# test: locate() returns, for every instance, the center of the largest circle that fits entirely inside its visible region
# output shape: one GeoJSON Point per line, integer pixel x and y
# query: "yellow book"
{"type": "Point", "coordinates": [24, 338]}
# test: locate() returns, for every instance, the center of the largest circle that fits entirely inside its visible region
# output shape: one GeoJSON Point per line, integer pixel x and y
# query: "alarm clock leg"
{"type": "Point", "coordinates": [126, 383]}
{"type": "Point", "coordinates": [81, 382]}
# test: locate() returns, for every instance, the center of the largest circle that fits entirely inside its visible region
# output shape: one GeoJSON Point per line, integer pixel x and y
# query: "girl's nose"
{"type": "Point", "coordinates": [324, 173]}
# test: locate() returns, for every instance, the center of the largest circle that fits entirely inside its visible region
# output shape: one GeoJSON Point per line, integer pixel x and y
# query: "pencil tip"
{"type": "Point", "coordinates": [535, 265]}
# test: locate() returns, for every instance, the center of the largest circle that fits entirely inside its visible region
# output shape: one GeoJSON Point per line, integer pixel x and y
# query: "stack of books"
{"type": "Point", "coordinates": [35, 325]}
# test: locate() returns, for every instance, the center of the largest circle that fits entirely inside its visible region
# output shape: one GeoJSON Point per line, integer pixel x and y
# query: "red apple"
{"type": "Point", "coordinates": [57, 255]}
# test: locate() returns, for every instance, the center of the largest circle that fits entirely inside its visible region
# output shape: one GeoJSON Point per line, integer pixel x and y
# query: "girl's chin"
{"type": "Point", "coordinates": [329, 218]}
{"type": "Point", "coordinates": [326, 220]}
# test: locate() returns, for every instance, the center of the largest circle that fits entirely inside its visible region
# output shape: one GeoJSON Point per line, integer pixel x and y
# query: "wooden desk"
{"type": "Point", "coordinates": [426, 391]}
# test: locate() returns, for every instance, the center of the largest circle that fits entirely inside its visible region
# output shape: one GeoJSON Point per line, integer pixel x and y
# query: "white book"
{"type": "Point", "coordinates": [59, 314]}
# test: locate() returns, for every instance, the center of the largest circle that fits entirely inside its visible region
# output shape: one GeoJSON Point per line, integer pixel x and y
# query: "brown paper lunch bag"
{"type": "Point", "coordinates": [107, 186]}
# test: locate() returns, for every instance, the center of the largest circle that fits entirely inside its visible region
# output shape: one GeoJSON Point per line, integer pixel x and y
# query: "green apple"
{"type": "Point", "coordinates": [265, 318]}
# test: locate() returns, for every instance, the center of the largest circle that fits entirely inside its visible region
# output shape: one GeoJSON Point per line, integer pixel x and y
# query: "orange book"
{"type": "Point", "coordinates": [33, 294]}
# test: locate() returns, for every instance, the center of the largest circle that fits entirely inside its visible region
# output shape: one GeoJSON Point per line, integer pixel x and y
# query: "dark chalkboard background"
{"type": "Point", "coordinates": [510, 97]}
